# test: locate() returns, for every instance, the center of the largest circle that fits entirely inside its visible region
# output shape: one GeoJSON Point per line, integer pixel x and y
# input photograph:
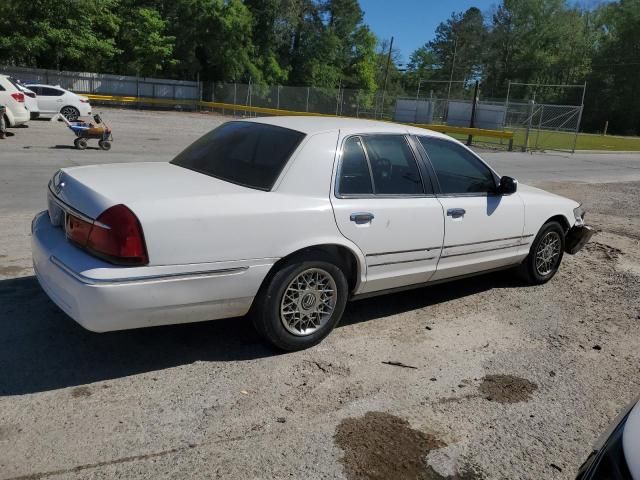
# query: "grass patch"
{"type": "Point", "coordinates": [546, 140]}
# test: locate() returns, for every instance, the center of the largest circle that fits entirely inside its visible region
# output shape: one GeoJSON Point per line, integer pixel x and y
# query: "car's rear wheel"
{"type": "Point", "coordinates": [301, 303]}
{"type": "Point", "coordinates": [70, 113]}
{"type": "Point", "coordinates": [545, 254]}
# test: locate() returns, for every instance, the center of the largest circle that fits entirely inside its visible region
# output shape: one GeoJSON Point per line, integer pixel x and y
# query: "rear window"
{"type": "Point", "coordinates": [246, 153]}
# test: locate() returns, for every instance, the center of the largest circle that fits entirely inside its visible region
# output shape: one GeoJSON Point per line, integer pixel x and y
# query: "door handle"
{"type": "Point", "coordinates": [456, 212]}
{"type": "Point", "coordinates": [361, 217]}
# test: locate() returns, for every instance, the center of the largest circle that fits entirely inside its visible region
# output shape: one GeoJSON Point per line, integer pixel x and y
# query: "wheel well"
{"type": "Point", "coordinates": [340, 255]}
{"type": "Point", "coordinates": [562, 220]}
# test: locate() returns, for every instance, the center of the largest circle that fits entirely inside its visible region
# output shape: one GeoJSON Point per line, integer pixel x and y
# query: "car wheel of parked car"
{"type": "Point", "coordinates": [70, 113]}
{"type": "Point", "coordinates": [545, 255]}
{"type": "Point", "coordinates": [301, 303]}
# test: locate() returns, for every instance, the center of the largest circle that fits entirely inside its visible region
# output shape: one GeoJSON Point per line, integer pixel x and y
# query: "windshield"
{"type": "Point", "coordinates": [246, 153]}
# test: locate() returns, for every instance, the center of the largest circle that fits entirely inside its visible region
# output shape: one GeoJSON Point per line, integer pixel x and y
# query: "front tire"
{"type": "Point", "coordinates": [301, 303]}
{"type": "Point", "coordinates": [545, 255]}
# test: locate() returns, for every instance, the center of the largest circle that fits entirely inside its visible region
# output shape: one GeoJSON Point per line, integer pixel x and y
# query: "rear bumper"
{"type": "Point", "coordinates": [34, 115]}
{"type": "Point", "coordinates": [102, 297]}
{"type": "Point", "coordinates": [577, 237]}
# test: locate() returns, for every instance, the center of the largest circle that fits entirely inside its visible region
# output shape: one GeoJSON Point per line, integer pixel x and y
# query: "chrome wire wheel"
{"type": "Point", "coordinates": [308, 302]}
{"type": "Point", "coordinates": [548, 253]}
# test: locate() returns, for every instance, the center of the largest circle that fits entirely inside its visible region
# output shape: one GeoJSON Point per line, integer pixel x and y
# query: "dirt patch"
{"type": "Point", "coordinates": [382, 446]}
{"type": "Point", "coordinates": [81, 392]}
{"type": "Point", "coordinates": [609, 252]}
{"type": "Point", "coordinates": [506, 388]}
{"type": "Point", "coordinates": [11, 270]}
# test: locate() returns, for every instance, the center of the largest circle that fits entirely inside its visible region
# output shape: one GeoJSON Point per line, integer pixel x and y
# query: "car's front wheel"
{"type": "Point", "coordinates": [545, 255]}
{"type": "Point", "coordinates": [301, 303]}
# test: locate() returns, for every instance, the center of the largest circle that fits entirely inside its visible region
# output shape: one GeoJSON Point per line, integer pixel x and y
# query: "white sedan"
{"type": "Point", "coordinates": [288, 218]}
{"type": "Point", "coordinates": [53, 100]}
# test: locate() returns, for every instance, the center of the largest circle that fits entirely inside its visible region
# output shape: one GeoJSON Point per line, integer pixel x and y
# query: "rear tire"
{"type": "Point", "coordinates": [104, 145]}
{"type": "Point", "coordinates": [545, 255]}
{"type": "Point", "coordinates": [80, 143]}
{"type": "Point", "coordinates": [301, 303]}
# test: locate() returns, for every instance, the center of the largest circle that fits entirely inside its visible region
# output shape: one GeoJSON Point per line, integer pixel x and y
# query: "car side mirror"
{"type": "Point", "coordinates": [507, 186]}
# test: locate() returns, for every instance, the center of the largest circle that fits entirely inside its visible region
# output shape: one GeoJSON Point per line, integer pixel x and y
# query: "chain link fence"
{"type": "Point", "coordinates": [105, 84]}
{"type": "Point", "coordinates": [538, 126]}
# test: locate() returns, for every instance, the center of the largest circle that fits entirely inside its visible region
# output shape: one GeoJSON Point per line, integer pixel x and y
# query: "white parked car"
{"type": "Point", "coordinates": [30, 99]}
{"type": "Point", "coordinates": [12, 98]}
{"type": "Point", "coordinates": [288, 217]}
{"type": "Point", "coordinates": [53, 100]}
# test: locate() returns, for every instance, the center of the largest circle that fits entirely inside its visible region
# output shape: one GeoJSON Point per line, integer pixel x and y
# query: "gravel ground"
{"type": "Point", "coordinates": [509, 381]}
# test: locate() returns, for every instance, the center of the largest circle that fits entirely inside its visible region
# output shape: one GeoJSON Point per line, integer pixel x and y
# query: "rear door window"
{"type": "Point", "coordinates": [355, 177]}
{"type": "Point", "coordinates": [394, 168]}
{"type": "Point", "coordinates": [246, 153]}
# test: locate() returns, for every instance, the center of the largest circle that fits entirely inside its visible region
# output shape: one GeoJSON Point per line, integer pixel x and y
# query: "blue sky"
{"type": "Point", "coordinates": [412, 23]}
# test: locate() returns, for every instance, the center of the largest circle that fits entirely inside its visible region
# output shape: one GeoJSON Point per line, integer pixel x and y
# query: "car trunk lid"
{"type": "Point", "coordinates": [90, 190]}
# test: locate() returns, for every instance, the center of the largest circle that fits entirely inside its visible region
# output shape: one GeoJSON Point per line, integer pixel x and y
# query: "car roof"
{"type": "Point", "coordinates": [315, 124]}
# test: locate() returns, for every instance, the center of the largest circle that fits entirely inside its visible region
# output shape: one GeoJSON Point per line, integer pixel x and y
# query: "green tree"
{"type": "Point", "coordinates": [458, 45]}
{"type": "Point", "coordinates": [613, 92]}
{"type": "Point", "coordinates": [60, 34]}
{"type": "Point", "coordinates": [145, 49]}
{"type": "Point", "coordinates": [537, 41]}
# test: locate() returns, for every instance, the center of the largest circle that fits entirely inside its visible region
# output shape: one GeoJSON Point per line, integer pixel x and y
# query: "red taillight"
{"type": "Point", "coordinates": [77, 230]}
{"type": "Point", "coordinates": [18, 97]}
{"type": "Point", "coordinates": [117, 237]}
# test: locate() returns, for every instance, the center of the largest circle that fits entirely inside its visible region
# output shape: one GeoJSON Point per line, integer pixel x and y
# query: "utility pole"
{"type": "Point", "coordinates": [386, 76]}
{"type": "Point", "coordinates": [472, 122]}
{"type": "Point", "coordinates": [453, 63]}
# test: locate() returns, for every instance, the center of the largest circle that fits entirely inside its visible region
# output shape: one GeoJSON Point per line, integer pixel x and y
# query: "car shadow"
{"type": "Point", "coordinates": [72, 147]}
{"type": "Point", "coordinates": [42, 349]}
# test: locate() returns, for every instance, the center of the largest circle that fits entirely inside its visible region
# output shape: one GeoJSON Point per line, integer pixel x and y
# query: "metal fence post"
{"type": "Point", "coordinates": [539, 125]}
{"type": "Point", "coordinates": [525, 145]}
{"type": "Point", "coordinates": [307, 109]}
{"type": "Point", "coordinates": [278, 104]}
{"type": "Point", "coordinates": [575, 138]}
{"type": "Point", "coordinates": [235, 93]}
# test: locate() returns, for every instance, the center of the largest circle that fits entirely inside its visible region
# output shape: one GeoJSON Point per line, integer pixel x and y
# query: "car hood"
{"type": "Point", "coordinates": [94, 188]}
{"type": "Point", "coordinates": [527, 191]}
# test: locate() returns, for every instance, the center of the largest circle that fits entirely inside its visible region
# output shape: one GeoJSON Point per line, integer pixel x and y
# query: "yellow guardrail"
{"type": "Point", "coordinates": [276, 111]}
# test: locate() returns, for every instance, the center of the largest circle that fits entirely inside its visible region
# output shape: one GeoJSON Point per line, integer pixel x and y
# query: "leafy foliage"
{"type": "Point", "coordinates": [325, 43]}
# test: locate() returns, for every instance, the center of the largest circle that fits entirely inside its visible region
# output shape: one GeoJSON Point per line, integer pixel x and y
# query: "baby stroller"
{"type": "Point", "coordinates": [87, 130]}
